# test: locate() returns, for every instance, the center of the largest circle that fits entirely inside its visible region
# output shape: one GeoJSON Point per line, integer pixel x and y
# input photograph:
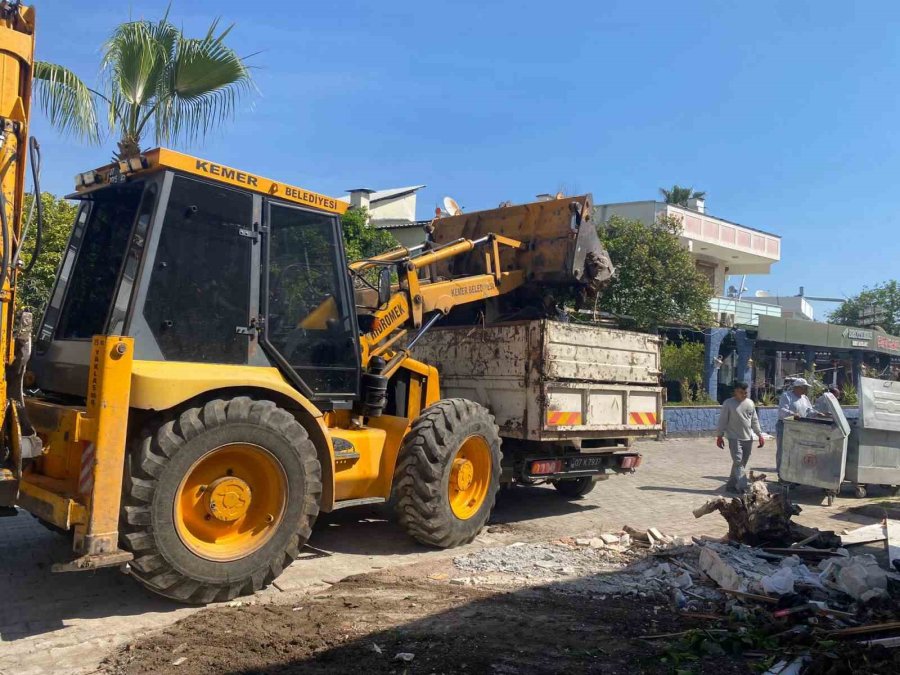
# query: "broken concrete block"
{"type": "Point", "coordinates": [582, 541]}
{"type": "Point", "coordinates": [609, 538]}
{"type": "Point", "coordinates": [637, 535]}
{"type": "Point", "coordinates": [872, 594]}
{"type": "Point", "coordinates": [854, 576]}
{"type": "Point", "coordinates": [660, 570]}
{"type": "Point", "coordinates": [683, 580]}
{"type": "Point", "coordinates": [718, 570]}
{"type": "Point", "coordinates": [596, 542]}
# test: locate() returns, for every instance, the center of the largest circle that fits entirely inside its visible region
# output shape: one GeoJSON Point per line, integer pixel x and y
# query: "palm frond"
{"type": "Point", "coordinates": [67, 102]}
{"type": "Point", "coordinates": [206, 80]}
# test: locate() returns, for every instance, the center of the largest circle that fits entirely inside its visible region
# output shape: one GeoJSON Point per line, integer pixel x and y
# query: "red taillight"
{"type": "Point", "coordinates": [631, 461]}
{"type": "Point", "coordinates": [546, 466]}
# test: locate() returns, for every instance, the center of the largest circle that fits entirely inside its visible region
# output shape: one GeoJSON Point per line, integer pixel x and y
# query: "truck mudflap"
{"type": "Point", "coordinates": [574, 466]}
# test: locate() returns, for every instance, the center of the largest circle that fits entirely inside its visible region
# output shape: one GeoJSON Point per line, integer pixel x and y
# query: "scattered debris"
{"type": "Point", "coordinates": [892, 543]}
{"type": "Point", "coordinates": [860, 577]}
{"type": "Point", "coordinates": [864, 535]}
{"type": "Point", "coordinates": [180, 660]}
{"type": "Point", "coordinates": [406, 657]}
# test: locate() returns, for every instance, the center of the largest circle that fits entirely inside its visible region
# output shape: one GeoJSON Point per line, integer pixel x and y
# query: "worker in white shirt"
{"type": "Point", "coordinates": [792, 403]}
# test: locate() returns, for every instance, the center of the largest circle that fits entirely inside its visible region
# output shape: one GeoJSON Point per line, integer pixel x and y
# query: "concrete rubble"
{"type": "Point", "coordinates": [797, 595]}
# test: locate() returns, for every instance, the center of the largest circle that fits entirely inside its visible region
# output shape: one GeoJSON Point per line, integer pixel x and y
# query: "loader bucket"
{"type": "Point", "coordinates": [561, 246]}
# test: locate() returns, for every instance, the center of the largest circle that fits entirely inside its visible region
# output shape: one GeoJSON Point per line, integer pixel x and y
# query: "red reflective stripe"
{"type": "Point", "coordinates": [562, 419]}
{"type": "Point", "coordinates": [642, 418]}
{"type": "Point", "coordinates": [86, 476]}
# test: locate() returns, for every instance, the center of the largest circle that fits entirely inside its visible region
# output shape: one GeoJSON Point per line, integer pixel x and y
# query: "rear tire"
{"type": "Point", "coordinates": [199, 543]}
{"type": "Point", "coordinates": [575, 487]}
{"type": "Point", "coordinates": [448, 473]}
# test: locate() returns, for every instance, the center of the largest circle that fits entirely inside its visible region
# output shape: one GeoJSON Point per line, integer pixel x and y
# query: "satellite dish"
{"type": "Point", "coordinates": [560, 195]}
{"type": "Point", "coordinates": [763, 294]}
{"type": "Point", "coordinates": [451, 207]}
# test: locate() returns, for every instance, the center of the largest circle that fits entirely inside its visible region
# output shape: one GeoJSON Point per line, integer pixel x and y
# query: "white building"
{"type": "Point", "coordinates": [792, 306]}
{"type": "Point", "coordinates": [393, 210]}
{"type": "Point", "coordinates": [720, 248]}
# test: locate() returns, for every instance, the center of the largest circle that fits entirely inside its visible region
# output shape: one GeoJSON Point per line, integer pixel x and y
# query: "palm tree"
{"type": "Point", "coordinates": [679, 195]}
{"type": "Point", "coordinates": [150, 74]}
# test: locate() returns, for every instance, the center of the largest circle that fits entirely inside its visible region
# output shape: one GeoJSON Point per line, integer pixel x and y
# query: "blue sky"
{"type": "Point", "coordinates": [785, 113]}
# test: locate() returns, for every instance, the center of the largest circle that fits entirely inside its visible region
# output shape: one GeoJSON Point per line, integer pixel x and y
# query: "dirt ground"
{"type": "Point", "coordinates": [567, 605]}
{"type": "Point", "coordinates": [61, 624]}
{"type": "Point", "coordinates": [365, 622]}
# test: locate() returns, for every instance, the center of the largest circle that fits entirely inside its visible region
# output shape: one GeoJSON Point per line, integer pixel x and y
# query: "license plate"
{"type": "Point", "coordinates": [583, 463]}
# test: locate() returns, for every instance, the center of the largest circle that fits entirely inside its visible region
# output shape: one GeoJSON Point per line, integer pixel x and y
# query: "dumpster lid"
{"type": "Point", "coordinates": [833, 408]}
{"type": "Point", "coordinates": [879, 404]}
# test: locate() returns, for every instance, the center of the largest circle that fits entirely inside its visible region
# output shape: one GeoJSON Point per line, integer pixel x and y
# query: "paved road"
{"type": "Point", "coordinates": [66, 623]}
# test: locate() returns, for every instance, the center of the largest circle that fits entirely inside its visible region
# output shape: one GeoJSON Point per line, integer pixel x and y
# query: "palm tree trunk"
{"type": "Point", "coordinates": [129, 147]}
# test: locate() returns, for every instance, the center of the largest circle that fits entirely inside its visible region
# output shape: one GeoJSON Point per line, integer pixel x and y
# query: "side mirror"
{"type": "Point", "coordinates": [384, 285]}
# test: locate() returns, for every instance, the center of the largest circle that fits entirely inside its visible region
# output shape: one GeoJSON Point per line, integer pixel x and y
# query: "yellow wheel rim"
{"type": "Point", "coordinates": [230, 502]}
{"type": "Point", "coordinates": [470, 477]}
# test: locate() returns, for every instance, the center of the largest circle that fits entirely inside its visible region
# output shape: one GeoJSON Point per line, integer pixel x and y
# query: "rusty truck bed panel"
{"type": "Point", "coordinates": [595, 354]}
{"type": "Point", "coordinates": [545, 380]}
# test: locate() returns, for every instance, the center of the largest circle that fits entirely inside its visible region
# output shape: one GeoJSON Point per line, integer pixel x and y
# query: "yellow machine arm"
{"type": "Point", "coordinates": [16, 65]}
{"type": "Point", "coordinates": [414, 298]}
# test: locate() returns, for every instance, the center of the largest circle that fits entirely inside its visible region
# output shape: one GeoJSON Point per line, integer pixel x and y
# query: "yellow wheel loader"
{"type": "Point", "coordinates": [210, 372]}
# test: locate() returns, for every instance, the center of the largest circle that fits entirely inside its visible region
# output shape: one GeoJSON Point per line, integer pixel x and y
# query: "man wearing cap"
{"type": "Point", "coordinates": [793, 403]}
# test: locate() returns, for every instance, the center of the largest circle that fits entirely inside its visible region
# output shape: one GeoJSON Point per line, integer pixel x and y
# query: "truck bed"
{"type": "Point", "coordinates": [551, 381]}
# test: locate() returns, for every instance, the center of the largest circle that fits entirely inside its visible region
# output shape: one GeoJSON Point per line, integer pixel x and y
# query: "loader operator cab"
{"type": "Point", "coordinates": [199, 271]}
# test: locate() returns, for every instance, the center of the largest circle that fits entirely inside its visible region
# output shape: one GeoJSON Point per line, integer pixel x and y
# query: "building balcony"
{"type": "Point", "coordinates": [743, 249]}
{"type": "Point", "coordinates": [740, 249]}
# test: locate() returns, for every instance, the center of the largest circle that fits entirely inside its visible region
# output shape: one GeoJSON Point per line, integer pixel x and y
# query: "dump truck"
{"type": "Point", "coordinates": [210, 372]}
{"type": "Point", "coordinates": [569, 399]}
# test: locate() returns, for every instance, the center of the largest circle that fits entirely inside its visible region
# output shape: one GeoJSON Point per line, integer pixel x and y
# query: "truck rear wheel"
{"type": "Point", "coordinates": [218, 501]}
{"type": "Point", "coordinates": [448, 473]}
{"type": "Point", "coordinates": [575, 487]}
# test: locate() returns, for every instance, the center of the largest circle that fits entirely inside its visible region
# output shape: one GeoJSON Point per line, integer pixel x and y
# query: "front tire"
{"type": "Point", "coordinates": [448, 473]}
{"type": "Point", "coordinates": [575, 487]}
{"type": "Point", "coordinates": [219, 500]}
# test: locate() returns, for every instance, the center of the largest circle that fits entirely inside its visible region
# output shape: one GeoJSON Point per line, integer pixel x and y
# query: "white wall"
{"type": "Point", "coordinates": [408, 236]}
{"type": "Point", "coordinates": [792, 307]}
{"type": "Point", "coordinates": [393, 211]}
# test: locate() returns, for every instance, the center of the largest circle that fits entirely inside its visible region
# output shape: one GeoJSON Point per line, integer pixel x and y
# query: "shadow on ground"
{"type": "Point", "coordinates": [370, 530]}
{"type": "Point", "coordinates": [26, 581]}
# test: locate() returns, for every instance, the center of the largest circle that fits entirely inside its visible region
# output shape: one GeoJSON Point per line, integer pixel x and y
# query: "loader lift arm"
{"type": "Point", "coordinates": [413, 299]}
